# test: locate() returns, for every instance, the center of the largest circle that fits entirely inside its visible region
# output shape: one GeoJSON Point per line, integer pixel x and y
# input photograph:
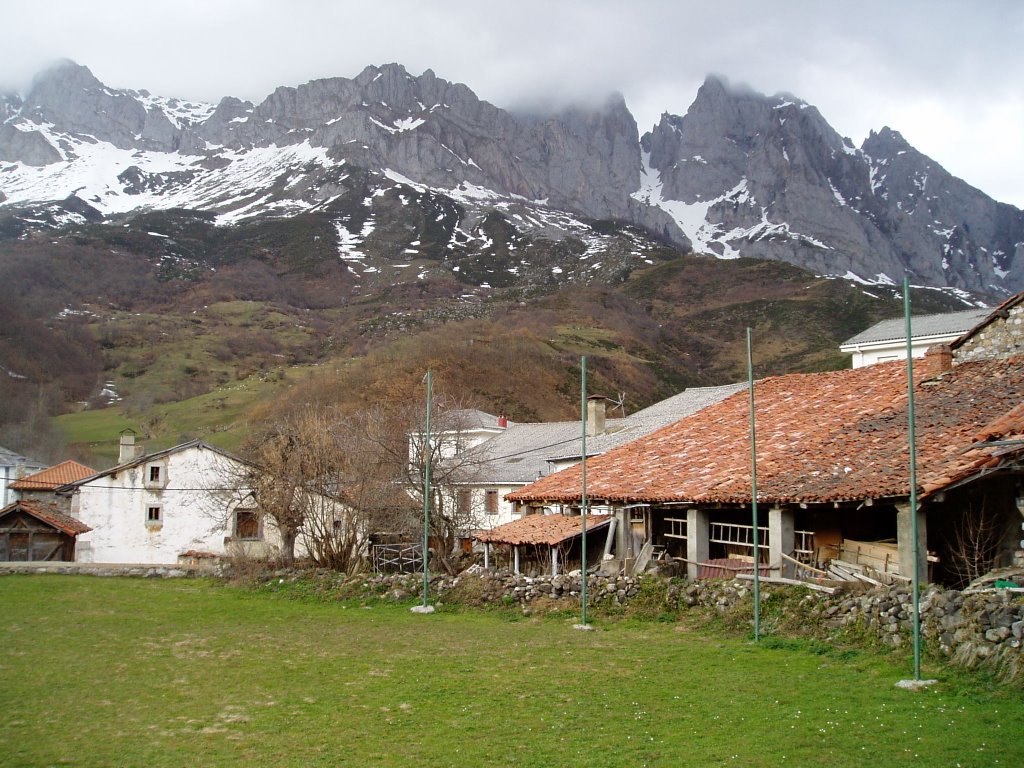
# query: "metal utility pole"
{"type": "Point", "coordinates": [912, 437]}
{"type": "Point", "coordinates": [427, 446]}
{"type": "Point", "coordinates": [583, 469]}
{"type": "Point", "coordinates": [753, 496]}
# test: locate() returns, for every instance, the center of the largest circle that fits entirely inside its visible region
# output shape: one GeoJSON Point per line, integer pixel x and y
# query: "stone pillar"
{"type": "Point", "coordinates": [698, 548]}
{"type": "Point", "coordinates": [515, 552]}
{"type": "Point", "coordinates": [554, 561]}
{"type": "Point", "coordinates": [781, 539]}
{"type": "Point", "coordinates": [905, 542]}
{"type": "Point", "coordinates": [487, 554]}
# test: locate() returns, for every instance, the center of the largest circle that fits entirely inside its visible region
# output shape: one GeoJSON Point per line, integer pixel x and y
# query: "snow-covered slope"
{"type": "Point", "coordinates": [740, 174]}
{"type": "Point", "coordinates": [746, 174]}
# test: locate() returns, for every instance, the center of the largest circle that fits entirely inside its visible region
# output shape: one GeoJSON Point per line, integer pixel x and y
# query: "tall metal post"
{"type": "Point", "coordinates": [753, 496]}
{"type": "Point", "coordinates": [583, 470]}
{"type": "Point", "coordinates": [427, 448]}
{"type": "Point", "coordinates": [912, 437]}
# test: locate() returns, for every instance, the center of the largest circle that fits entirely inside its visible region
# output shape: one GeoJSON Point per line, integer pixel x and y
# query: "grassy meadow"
{"type": "Point", "coordinates": [121, 672]}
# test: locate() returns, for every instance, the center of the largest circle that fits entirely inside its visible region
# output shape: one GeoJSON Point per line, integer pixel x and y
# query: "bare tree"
{"type": "Point", "coordinates": [325, 482]}
{"type": "Point", "coordinates": [397, 433]}
{"type": "Point", "coordinates": [974, 542]}
{"type": "Point", "coordinates": [295, 465]}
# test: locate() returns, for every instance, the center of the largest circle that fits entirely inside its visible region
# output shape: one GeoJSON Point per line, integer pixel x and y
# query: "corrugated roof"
{"type": "Point", "coordinates": [943, 324]}
{"type": "Point", "coordinates": [821, 437]}
{"type": "Point", "coordinates": [50, 479]}
{"type": "Point", "coordinates": [47, 514]}
{"type": "Point", "coordinates": [542, 529]}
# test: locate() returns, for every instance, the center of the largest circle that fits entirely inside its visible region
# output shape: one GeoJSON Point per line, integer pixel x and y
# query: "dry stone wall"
{"type": "Point", "coordinates": [1004, 337]}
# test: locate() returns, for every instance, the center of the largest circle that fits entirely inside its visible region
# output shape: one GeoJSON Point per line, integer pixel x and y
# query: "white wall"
{"type": "Point", "coordinates": [195, 513]}
{"type": "Point", "coordinates": [883, 352]}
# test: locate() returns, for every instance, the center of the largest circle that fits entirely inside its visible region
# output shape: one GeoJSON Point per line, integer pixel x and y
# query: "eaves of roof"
{"type": "Point", "coordinates": [828, 437]}
{"type": "Point", "coordinates": [59, 520]}
{"type": "Point", "coordinates": [542, 529]}
{"type": "Point", "coordinates": [150, 457]}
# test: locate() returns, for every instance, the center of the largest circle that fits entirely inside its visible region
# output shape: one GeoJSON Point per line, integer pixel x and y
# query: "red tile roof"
{"type": "Point", "coordinates": [47, 514]}
{"type": "Point", "coordinates": [541, 529]}
{"type": "Point", "coordinates": [820, 437]}
{"type": "Point", "coordinates": [49, 479]}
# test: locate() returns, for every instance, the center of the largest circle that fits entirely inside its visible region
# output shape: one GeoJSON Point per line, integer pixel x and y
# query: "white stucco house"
{"type": "Point", "coordinates": [887, 340]}
{"type": "Point", "coordinates": [176, 505]}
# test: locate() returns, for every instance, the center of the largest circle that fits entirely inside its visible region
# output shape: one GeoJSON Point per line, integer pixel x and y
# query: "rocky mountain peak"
{"type": "Point", "coordinates": [886, 143]}
{"type": "Point", "coordinates": [740, 173]}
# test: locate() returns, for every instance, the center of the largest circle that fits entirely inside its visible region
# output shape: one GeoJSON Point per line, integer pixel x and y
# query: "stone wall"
{"type": "Point", "coordinates": [980, 629]}
{"type": "Point", "coordinates": [1003, 337]}
{"type": "Point", "coordinates": [972, 629]}
{"type": "Point", "coordinates": [100, 569]}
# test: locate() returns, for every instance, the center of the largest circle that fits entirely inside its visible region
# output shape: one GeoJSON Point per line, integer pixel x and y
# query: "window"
{"type": "Point", "coordinates": [154, 516]}
{"type": "Point", "coordinates": [491, 502]}
{"type": "Point", "coordinates": [465, 501]}
{"type": "Point", "coordinates": [155, 476]}
{"type": "Point", "coordinates": [247, 525]}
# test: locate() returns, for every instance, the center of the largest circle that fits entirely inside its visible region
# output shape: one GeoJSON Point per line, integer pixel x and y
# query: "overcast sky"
{"type": "Point", "coordinates": [949, 75]}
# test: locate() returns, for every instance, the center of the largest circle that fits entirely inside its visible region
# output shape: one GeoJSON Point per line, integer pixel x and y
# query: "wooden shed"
{"type": "Point", "coordinates": [548, 537]}
{"type": "Point", "coordinates": [35, 532]}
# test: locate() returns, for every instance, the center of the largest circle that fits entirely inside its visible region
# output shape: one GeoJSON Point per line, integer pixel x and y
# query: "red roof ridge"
{"type": "Point", "coordinates": [53, 477]}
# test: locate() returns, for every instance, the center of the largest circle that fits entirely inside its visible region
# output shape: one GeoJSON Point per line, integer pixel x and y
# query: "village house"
{"type": "Point", "coordinates": [42, 486]}
{"type": "Point", "coordinates": [887, 340]}
{"type": "Point", "coordinates": [12, 467]}
{"type": "Point", "coordinates": [833, 467]}
{"type": "Point", "coordinates": [176, 505]}
{"type": "Point", "coordinates": [524, 452]}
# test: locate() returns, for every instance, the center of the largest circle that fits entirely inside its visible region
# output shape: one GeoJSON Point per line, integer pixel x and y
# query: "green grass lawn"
{"type": "Point", "coordinates": [115, 672]}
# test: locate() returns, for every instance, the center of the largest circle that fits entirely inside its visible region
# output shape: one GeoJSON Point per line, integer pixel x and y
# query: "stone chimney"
{"type": "Point", "coordinates": [128, 449]}
{"type": "Point", "coordinates": [595, 415]}
{"type": "Point", "coordinates": [938, 359]}
{"type": "Point", "coordinates": [503, 422]}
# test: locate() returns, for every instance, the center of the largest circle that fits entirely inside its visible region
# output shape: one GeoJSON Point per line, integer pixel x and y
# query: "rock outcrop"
{"type": "Point", "coordinates": [739, 174]}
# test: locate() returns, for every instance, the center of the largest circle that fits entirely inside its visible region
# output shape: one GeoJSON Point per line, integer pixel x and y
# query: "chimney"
{"type": "Point", "coordinates": [595, 415]}
{"type": "Point", "coordinates": [938, 359]}
{"type": "Point", "coordinates": [128, 449]}
{"type": "Point", "coordinates": [503, 421]}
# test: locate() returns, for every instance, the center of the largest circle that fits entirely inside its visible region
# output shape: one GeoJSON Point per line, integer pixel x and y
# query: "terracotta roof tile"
{"type": "Point", "coordinates": [49, 479]}
{"type": "Point", "coordinates": [541, 529]}
{"type": "Point", "coordinates": [48, 514]}
{"type": "Point", "coordinates": [821, 437]}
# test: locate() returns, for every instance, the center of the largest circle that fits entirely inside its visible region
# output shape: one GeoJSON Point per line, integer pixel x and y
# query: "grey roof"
{"type": "Point", "coordinates": [944, 324]}
{"type": "Point", "coordinates": [521, 453]}
{"type": "Point", "coordinates": [468, 418]}
{"type": "Point", "coordinates": [9, 458]}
